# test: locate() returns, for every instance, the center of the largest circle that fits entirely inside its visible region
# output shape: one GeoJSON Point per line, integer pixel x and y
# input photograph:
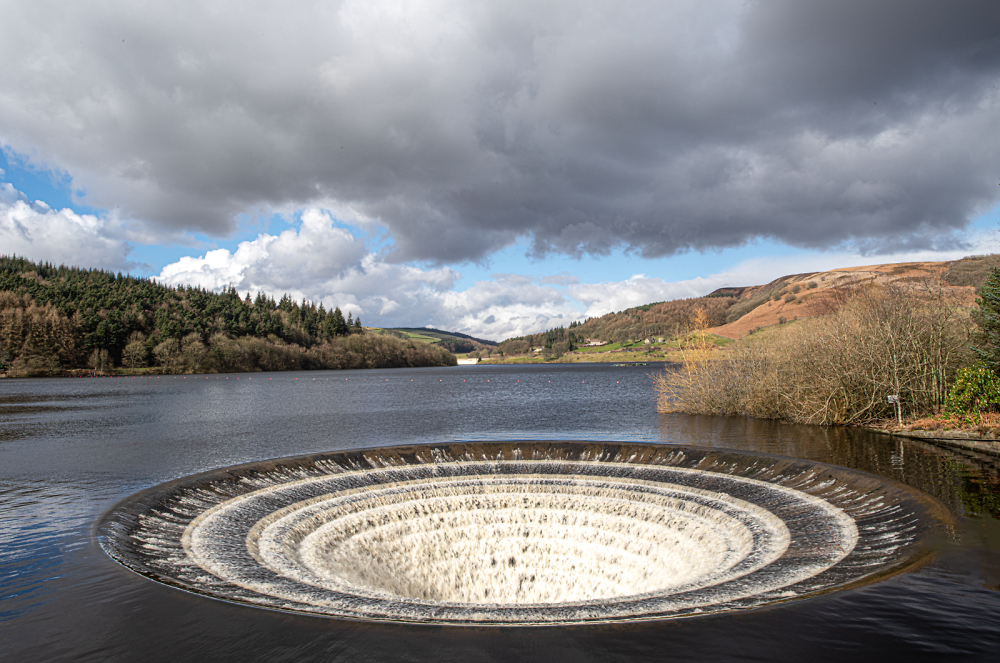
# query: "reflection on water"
{"type": "Point", "coordinates": [70, 449]}
{"type": "Point", "coordinates": [968, 482]}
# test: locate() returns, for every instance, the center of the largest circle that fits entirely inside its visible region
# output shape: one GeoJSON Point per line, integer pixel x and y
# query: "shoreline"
{"type": "Point", "coordinates": [968, 440]}
{"type": "Point", "coordinates": [988, 443]}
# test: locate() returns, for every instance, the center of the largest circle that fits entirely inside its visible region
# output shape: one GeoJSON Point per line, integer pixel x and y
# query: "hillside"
{"type": "Point", "coordinates": [454, 342]}
{"type": "Point", "coordinates": [55, 319]}
{"type": "Point", "coordinates": [734, 312]}
{"type": "Point", "coordinates": [894, 346]}
{"type": "Point", "coordinates": [809, 295]}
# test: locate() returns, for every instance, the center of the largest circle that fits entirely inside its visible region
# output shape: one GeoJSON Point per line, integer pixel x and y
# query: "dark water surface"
{"type": "Point", "coordinates": [71, 448]}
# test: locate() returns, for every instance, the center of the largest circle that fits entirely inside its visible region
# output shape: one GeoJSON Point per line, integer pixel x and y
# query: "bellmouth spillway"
{"type": "Point", "coordinates": [520, 533]}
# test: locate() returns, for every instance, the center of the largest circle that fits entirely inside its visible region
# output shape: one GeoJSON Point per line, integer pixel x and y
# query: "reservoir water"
{"type": "Point", "coordinates": [70, 449]}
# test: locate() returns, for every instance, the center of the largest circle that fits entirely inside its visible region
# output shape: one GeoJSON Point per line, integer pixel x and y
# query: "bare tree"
{"type": "Point", "coordinates": [838, 368]}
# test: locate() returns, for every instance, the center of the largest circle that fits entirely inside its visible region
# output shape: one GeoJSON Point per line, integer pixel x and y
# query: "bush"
{"type": "Point", "coordinates": [837, 369]}
{"type": "Point", "coordinates": [976, 389]}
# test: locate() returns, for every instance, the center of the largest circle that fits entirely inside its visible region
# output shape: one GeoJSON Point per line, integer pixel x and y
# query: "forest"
{"type": "Point", "coordinates": [54, 319]}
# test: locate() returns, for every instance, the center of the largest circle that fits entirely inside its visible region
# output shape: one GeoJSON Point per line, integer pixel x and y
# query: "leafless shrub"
{"type": "Point", "coordinates": [836, 369]}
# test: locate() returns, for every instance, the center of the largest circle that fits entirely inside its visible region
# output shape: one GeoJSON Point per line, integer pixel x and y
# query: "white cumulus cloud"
{"type": "Point", "coordinates": [33, 230]}
{"type": "Point", "coordinates": [322, 262]}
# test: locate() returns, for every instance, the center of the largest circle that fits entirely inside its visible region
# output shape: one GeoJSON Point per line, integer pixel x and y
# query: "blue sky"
{"type": "Point", "coordinates": [503, 168]}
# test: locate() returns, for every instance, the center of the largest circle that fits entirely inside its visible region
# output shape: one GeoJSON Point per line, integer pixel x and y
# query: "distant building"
{"type": "Point", "coordinates": [470, 360]}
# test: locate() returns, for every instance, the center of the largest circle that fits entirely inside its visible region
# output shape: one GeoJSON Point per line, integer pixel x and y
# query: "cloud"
{"type": "Point", "coordinates": [321, 262]}
{"type": "Point", "coordinates": [603, 298]}
{"type": "Point", "coordinates": [463, 127]}
{"type": "Point", "coordinates": [318, 252]}
{"type": "Point", "coordinates": [33, 230]}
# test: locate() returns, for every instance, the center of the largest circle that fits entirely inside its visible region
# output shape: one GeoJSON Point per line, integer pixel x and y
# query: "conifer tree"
{"type": "Point", "coordinates": [338, 324]}
{"type": "Point", "coordinates": [988, 319]}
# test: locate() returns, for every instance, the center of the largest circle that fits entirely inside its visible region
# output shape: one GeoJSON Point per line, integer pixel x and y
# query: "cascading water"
{"type": "Point", "coordinates": [520, 532]}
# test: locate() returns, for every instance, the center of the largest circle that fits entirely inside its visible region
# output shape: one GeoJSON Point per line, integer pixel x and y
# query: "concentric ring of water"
{"type": "Point", "coordinates": [519, 533]}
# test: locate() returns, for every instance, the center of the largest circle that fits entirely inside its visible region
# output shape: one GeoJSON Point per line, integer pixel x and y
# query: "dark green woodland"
{"type": "Point", "coordinates": [56, 319]}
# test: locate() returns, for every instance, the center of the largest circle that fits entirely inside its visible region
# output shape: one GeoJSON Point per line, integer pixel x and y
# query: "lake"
{"type": "Point", "coordinates": [72, 448]}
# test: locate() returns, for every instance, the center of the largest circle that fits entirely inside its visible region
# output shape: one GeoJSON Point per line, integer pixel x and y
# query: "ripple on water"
{"type": "Point", "coordinates": [520, 532]}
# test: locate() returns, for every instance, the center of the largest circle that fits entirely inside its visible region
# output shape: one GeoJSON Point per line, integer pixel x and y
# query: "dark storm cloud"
{"type": "Point", "coordinates": [583, 125]}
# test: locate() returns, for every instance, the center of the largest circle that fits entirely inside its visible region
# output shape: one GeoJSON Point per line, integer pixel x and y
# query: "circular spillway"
{"type": "Point", "coordinates": [520, 532]}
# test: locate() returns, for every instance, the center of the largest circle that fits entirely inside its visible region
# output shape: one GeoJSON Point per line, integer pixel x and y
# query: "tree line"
{"type": "Point", "coordinates": [54, 318]}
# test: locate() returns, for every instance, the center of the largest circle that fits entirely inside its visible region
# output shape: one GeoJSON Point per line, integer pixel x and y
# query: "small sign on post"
{"type": "Point", "coordinates": [894, 399]}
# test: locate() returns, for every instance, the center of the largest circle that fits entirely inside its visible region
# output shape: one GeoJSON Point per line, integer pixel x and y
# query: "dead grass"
{"type": "Point", "coordinates": [974, 423]}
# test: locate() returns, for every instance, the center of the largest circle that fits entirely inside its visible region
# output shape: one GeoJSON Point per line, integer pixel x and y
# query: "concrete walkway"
{"type": "Point", "coordinates": [952, 438]}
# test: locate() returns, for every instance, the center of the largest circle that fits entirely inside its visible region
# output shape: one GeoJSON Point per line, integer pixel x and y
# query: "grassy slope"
{"type": "Point", "coordinates": [433, 335]}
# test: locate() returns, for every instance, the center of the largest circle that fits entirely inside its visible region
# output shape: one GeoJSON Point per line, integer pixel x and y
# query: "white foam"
{"type": "Point", "coordinates": [576, 533]}
{"type": "Point", "coordinates": [513, 539]}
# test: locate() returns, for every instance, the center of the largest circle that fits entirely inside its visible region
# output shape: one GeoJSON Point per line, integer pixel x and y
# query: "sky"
{"type": "Point", "coordinates": [497, 168]}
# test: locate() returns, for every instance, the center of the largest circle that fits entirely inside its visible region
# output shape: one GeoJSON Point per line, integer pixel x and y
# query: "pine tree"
{"type": "Point", "coordinates": [988, 319]}
{"type": "Point", "coordinates": [339, 325]}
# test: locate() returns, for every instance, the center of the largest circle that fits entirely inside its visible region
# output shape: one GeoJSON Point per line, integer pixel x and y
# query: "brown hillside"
{"type": "Point", "coordinates": [809, 295]}
{"type": "Point", "coordinates": [734, 312]}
